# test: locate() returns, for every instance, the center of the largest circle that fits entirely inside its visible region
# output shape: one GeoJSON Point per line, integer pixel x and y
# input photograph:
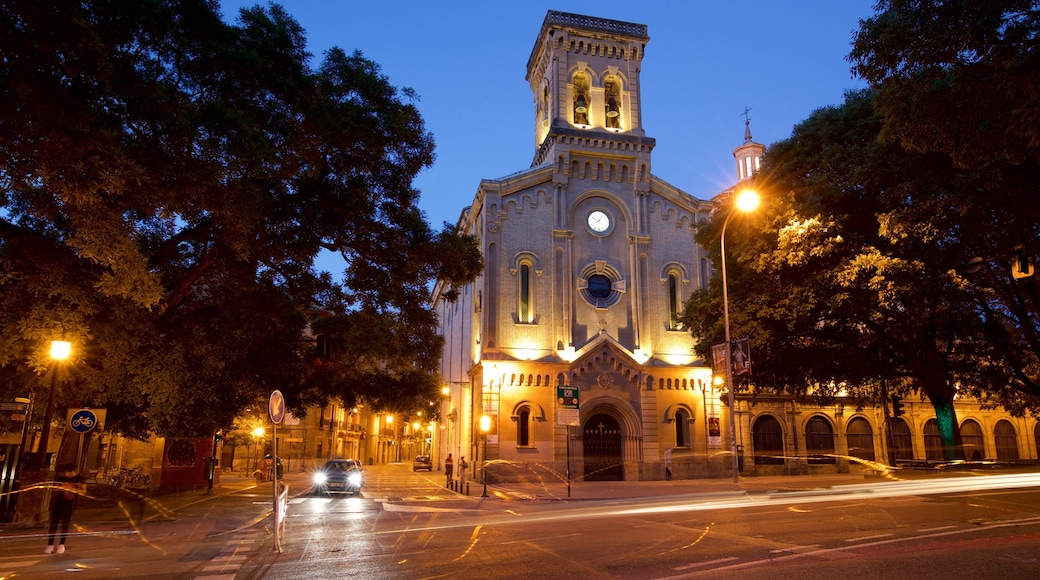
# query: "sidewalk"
{"type": "Point", "coordinates": [605, 490]}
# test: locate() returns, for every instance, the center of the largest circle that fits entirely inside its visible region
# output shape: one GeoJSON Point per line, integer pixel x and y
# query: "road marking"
{"type": "Point", "coordinates": [542, 539]}
{"type": "Point", "coordinates": [865, 538]}
{"type": "Point", "coordinates": [794, 549]}
{"type": "Point", "coordinates": [703, 564]}
{"type": "Point", "coordinates": [926, 530]}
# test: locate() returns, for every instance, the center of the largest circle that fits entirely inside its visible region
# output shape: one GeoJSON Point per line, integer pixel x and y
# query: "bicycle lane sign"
{"type": "Point", "coordinates": [83, 421]}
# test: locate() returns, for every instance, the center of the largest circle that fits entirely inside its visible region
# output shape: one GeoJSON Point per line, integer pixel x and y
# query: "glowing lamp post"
{"type": "Point", "coordinates": [60, 350]}
{"type": "Point", "coordinates": [747, 201]}
{"type": "Point", "coordinates": [485, 427]}
{"type": "Point", "coordinates": [258, 434]}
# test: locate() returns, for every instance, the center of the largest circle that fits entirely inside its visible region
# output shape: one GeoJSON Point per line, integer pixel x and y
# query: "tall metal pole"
{"type": "Point", "coordinates": [483, 471]}
{"type": "Point", "coordinates": [48, 417]}
{"type": "Point", "coordinates": [729, 359]}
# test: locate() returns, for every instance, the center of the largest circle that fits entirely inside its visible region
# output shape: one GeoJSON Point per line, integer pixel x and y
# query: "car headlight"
{"type": "Point", "coordinates": [354, 479]}
{"type": "Point", "coordinates": [319, 478]}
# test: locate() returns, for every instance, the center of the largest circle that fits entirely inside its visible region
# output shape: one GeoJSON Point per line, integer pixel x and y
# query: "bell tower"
{"type": "Point", "coordinates": [584, 76]}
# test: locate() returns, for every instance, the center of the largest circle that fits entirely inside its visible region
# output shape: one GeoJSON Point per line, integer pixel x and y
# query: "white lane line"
{"type": "Point", "coordinates": [865, 538]}
{"type": "Point", "coordinates": [703, 564]}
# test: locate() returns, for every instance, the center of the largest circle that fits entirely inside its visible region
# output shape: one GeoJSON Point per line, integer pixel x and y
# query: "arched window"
{"type": "Point", "coordinates": [933, 448]}
{"type": "Point", "coordinates": [973, 441]}
{"type": "Point", "coordinates": [860, 439]}
{"type": "Point", "coordinates": [902, 440]}
{"type": "Point", "coordinates": [612, 103]}
{"type": "Point", "coordinates": [705, 273]}
{"type": "Point", "coordinates": [673, 302]}
{"type": "Point", "coordinates": [819, 441]}
{"type": "Point", "coordinates": [545, 105]}
{"type": "Point", "coordinates": [1006, 441]}
{"type": "Point", "coordinates": [768, 440]}
{"type": "Point", "coordinates": [682, 428]}
{"type": "Point", "coordinates": [581, 99]}
{"type": "Point", "coordinates": [523, 427]}
{"type": "Point", "coordinates": [525, 293]}
{"type": "Point", "coordinates": [1036, 436]}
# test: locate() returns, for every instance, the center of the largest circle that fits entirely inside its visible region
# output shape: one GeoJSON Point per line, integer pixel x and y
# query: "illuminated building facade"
{"type": "Point", "coordinates": [588, 257]}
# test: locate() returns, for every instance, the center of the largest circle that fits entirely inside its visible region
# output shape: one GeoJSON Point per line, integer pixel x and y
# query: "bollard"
{"type": "Point", "coordinates": [467, 488]}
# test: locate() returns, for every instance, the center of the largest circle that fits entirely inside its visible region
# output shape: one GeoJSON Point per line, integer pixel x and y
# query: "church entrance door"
{"type": "Point", "coordinates": [601, 446]}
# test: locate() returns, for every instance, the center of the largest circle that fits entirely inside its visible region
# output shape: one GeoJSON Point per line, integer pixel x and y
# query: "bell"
{"type": "Point", "coordinates": [580, 106]}
{"type": "Point", "coordinates": [612, 108]}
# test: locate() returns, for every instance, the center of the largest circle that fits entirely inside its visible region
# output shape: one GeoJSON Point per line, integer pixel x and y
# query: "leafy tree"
{"type": "Point", "coordinates": [166, 182]}
{"type": "Point", "coordinates": [959, 77]}
{"type": "Point", "coordinates": [847, 281]}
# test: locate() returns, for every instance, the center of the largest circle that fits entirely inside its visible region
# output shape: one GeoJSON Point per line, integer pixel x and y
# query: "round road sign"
{"type": "Point", "coordinates": [276, 407]}
{"type": "Point", "coordinates": [83, 421]}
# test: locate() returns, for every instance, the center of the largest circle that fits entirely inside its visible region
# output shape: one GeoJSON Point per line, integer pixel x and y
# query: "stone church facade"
{"type": "Point", "coordinates": [588, 257]}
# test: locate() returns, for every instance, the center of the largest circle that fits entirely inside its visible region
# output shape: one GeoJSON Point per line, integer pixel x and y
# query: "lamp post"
{"type": "Point", "coordinates": [60, 350]}
{"type": "Point", "coordinates": [258, 434]}
{"type": "Point", "coordinates": [485, 427]}
{"type": "Point", "coordinates": [746, 201]}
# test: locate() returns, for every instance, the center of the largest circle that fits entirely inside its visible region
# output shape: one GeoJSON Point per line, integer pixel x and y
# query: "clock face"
{"type": "Point", "coordinates": [599, 221]}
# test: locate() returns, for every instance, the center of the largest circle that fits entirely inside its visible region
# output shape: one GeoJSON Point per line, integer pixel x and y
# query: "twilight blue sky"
{"type": "Point", "coordinates": [706, 61]}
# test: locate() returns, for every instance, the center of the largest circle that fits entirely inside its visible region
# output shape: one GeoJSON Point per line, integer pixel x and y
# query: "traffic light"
{"type": "Point", "coordinates": [897, 406]}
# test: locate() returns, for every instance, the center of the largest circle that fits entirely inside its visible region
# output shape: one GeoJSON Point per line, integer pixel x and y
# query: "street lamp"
{"type": "Point", "coordinates": [60, 350]}
{"type": "Point", "coordinates": [258, 434]}
{"type": "Point", "coordinates": [746, 201]}
{"type": "Point", "coordinates": [485, 427]}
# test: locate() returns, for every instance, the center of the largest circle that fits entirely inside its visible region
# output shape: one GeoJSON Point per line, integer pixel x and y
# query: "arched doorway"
{"type": "Point", "coordinates": [601, 447]}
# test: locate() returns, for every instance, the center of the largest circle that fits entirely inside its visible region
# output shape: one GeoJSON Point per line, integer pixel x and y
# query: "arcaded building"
{"type": "Point", "coordinates": [567, 344]}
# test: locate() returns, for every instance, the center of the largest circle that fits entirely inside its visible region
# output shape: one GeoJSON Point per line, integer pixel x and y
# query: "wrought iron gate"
{"type": "Point", "coordinates": [601, 446]}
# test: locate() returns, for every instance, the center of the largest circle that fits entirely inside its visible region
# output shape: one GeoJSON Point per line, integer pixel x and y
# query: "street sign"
{"type": "Point", "coordinates": [13, 406]}
{"type": "Point", "coordinates": [567, 402]}
{"type": "Point", "coordinates": [276, 407]}
{"type": "Point", "coordinates": [567, 397]}
{"type": "Point", "coordinates": [83, 421]}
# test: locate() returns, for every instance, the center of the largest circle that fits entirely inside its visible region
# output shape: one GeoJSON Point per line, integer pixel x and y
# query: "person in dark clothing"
{"type": "Point", "coordinates": [68, 484]}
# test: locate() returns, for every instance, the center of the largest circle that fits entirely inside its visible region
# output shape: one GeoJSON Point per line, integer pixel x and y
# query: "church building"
{"type": "Point", "coordinates": [564, 359]}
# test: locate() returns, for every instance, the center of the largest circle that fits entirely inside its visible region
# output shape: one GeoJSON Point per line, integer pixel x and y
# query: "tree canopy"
{"type": "Point", "coordinates": [166, 182]}
{"type": "Point", "coordinates": [888, 251]}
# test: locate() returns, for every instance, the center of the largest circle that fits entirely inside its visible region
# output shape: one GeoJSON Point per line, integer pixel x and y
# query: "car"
{"type": "Point", "coordinates": [339, 475]}
{"type": "Point", "coordinates": [422, 462]}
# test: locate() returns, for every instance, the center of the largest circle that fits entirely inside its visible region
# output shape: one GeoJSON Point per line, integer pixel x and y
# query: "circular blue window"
{"type": "Point", "coordinates": [599, 286]}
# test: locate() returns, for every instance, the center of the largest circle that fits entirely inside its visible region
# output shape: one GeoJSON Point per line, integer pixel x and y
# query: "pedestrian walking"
{"type": "Point", "coordinates": [449, 466]}
{"type": "Point", "coordinates": [462, 470]}
{"type": "Point", "coordinates": [69, 484]}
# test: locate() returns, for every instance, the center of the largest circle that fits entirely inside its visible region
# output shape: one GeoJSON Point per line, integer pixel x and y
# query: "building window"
{"type": "Point", "coordinates": [523, 427]}
{"type": "Point", "coordinates": [933, 447]}
{"type": "Point", "coordinates": [768, 441]}
{"type": "Point", "coordinates": [860, 439]}
{"type": "Point", "coordinates": [819, 441]}
{"type": "Point", "coordinates": [525, 293]}
{"type": "Point", "coordinates": [1006, 441]}
{"type": "Point", "coordinates": [612, 103]}
{"type": "Point", "coordinates": [581, 99]}
{"type": "Point", "coordinates": [674, 301]}
{"type": "Point", "coordinates": [902, 440]}
{"type": "Point", "coordinates": [600, 285]}
{"type": "Point", "coordinates": [972, 440]}
{"type": "Point", "coordinates": [682, 428]}
{"type": "Point", "coordinates": [545, 105]}
{"type": "Point", "coordinates": [1036, 435]}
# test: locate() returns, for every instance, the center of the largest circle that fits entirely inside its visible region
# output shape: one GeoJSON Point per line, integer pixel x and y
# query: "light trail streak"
{"type": "Point", "coordinates": [739, 500]}
{"type": "Point", "coordinates": [473, 539]}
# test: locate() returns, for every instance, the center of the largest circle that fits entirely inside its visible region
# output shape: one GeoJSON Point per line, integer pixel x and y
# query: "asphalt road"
{"type": "Point", "coordinates": [408, 525]}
